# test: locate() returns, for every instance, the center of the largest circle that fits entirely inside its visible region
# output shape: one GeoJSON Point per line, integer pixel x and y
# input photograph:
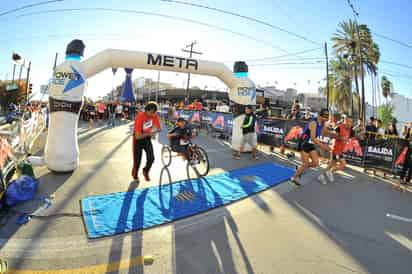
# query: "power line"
{"type": "Point", "coordinates": [393, 40]}
{"type": "Point", "coordinates": [247, 18]}
{"type": "Point", "coordinates": [289, 63]}
{"type": "Point", "coordinates": [158, 15]}
{"type": "Point", "coordinates": [277, 57]}
{"type": "Point", "coordinates": [396, 64]}
{"type": "Point", "coordinates": [29, 6]}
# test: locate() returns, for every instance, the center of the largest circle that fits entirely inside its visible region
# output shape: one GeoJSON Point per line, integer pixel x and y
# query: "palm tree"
{"type": "Point", "coordinates": [340, 81]}
{"type": "Point", "coordinates": [387, 87]}
{"type": "Point", "coordinates": [348, 44]}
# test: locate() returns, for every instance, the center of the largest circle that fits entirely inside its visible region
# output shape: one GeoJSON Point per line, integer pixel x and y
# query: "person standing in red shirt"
{"type": "Point", "coordinates": [344, 132]}
{"type": "Point", "coordinates": [146, 125]}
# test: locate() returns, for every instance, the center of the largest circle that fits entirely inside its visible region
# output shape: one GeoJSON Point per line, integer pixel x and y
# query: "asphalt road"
{"type": "Point", "coordinates": [341, 227]}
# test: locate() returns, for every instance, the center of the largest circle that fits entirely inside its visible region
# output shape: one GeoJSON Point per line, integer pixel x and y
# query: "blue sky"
{"type": "Point", "coordinates": [39, 36]}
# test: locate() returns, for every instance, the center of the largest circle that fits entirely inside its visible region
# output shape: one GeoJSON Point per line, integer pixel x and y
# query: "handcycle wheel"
{"type": "Point", "coordinates": [202, 166]}
{"type": "Point", "coordinates": [166, 156]}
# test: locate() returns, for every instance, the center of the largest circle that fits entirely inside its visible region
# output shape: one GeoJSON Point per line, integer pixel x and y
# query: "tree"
{"type": "Point", "coordinates": [16, 97]}
{"type": "Point", "coordinates": [355, 43]}
{"type": "Point", "coordinates": [385, 113]}
{"type": "Point", "coordinates": [340, 83]}
{"type": "Point", "coordinates": [387, 87]}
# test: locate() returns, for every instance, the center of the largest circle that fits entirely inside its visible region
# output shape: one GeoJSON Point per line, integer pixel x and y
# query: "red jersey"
{"type": "Point", "coordinates": [198, 106]}
{"type": "Point", "coordinates": [144, 124]}
{"type": "Point", "coordinates": [343, 134]}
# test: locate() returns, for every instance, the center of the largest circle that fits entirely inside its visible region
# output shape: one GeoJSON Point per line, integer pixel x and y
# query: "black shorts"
{"type": "Point", "coordinates": [181, 149]}
{"type": "Point", "coordinates": [307, 147]}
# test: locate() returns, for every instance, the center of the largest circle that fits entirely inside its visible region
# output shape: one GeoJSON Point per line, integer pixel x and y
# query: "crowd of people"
{"type": "Point", "coordinates": [112, 112]}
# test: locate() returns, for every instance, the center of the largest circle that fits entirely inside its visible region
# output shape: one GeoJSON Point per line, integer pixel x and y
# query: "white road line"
{"type": "Point", "coordinates": [399, 218]}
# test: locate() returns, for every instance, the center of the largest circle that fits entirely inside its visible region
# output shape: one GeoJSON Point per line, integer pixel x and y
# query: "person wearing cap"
{"type": "Point", "coordinates": [308, 141]}
{"type": "Point", "coordinates": [180, 137]}
{"type": "Point", "coordinates": [146, 126]}
{"type": "Point", "coordinates": [249, 133]}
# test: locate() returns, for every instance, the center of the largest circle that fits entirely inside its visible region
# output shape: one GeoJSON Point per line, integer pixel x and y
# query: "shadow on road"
{"type": "Point", "coordinates": [37, 233]}
{"type": "Point", "coordinates": [352, 213]}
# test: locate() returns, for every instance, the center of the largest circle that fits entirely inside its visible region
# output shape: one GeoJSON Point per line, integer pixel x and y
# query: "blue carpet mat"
{"type": "Point", "coordinates": [115, 213]}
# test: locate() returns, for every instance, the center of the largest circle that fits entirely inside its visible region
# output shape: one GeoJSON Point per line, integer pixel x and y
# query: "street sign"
{"type": "Point", "coordinates": [12, 87]}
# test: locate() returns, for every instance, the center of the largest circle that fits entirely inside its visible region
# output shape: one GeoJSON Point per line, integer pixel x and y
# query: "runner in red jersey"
{"type": "Point", "coordinates": [344, 132]}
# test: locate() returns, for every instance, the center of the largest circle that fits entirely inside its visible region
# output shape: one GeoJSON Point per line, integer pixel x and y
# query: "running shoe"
{"type": "Point", "coordinates": [322, 179]}
{"type": "Point", "coordinates": [330, 176]}
{"type": "Point", "coordinates": [295, 181]}
{"type": "Point", "coordinates": [146, 175]}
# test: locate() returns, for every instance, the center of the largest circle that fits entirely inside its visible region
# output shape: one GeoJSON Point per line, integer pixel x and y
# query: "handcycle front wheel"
{"type": "Point", "coordinates": [166, 156]}
{"type": "Point", "coordinates": [202, 161]}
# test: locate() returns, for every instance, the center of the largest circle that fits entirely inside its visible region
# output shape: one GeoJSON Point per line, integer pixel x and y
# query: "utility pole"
{"type": "Point", "coordinates": [158, 86]}
{"type": "Point", "coordinates": [27, 82]}
{"type": "Point", "coordinates": [188, 75]}
{"type": "Point", "coordinates": [327, 76]}
{"type": "Point", "coordinates": [363, 108]}
{"type": "Point", "coordinates": [55, 61]}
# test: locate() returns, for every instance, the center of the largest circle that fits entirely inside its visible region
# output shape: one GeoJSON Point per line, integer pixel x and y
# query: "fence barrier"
{"type": "Point", "coordinates": [384, 153]}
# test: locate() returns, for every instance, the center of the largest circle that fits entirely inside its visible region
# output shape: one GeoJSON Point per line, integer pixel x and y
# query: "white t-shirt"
{"type": "Point", "coordinates": [119, 109]}
{"type": "Point", "coordinates": [381, 131]}
{"type": "Point", "coordinates": [222, 108]}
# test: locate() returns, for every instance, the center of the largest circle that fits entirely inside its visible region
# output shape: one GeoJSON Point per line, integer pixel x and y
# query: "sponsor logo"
{"type": "Point", "coordinates": [380, 150]}
{"type": "Point", "coordinates": [62, 105]}
{"type": "Point", "coordinates": [273, 129]}
{"type": "Point", "coordinates": [247, 92]}
{"type": "Point", "coordinates": [74, 77]}
{"type": "Point", "coordinates": [170, 61]}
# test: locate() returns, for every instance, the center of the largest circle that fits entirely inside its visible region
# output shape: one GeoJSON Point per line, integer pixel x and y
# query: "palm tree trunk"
{"type": "Point", "coordinates": [357, 89]}
{"type": "Point", "coordinates": [363, 96]}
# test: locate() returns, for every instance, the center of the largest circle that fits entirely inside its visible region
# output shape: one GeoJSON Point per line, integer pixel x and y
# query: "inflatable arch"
{"type": "Point", "coordinates": [67, 86]}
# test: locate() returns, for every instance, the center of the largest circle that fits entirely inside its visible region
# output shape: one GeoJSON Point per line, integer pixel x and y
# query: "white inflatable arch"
{"type": "Point", "coordinates": [66, 92]}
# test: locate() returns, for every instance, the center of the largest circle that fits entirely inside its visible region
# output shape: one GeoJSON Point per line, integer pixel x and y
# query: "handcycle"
{"type": "Point", "coordinates": [198, 158]}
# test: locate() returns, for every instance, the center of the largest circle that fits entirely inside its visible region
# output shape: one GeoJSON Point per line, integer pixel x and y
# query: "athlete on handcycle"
{"type": "Point", "coordinates": [180, 137]}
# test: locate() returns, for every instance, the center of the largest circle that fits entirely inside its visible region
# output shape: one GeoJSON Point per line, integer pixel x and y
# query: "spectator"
{"type": "Point", "coordinates": [100, 109]}
{"type": "Point", "coordinates": [197, 105]}
{"type": "Point", "coordinates": [295, 113]}
{"type": "Point", "coordinates": [404, 132]}
{"type": "Point", "coordinates": [249, 133]}
{"type": "Point", "coordinates": [111, 108]}
{"type": "Point", "coordinates": [391, 130]}
{"type": "Point", "coordinates": [371, 128]}
{"type": "Point", "coordinates": [91, 111]}
{"type": "Point", "coordinates": [132, 111]}
{"type": "Point", "coordinates": [222, 107]}
{"type": "Point", "coordinates": [379, 126]}
{"type": "Point", "coordinates": [405, 175]}
{"type": "Point", "coordinates": [119, 112]}
{"type": "Point", "coordinates": [307, 115]}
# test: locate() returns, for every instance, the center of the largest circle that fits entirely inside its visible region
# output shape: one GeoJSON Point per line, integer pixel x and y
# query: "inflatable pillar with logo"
{"type": "Point", "coordinates": [68, 83]}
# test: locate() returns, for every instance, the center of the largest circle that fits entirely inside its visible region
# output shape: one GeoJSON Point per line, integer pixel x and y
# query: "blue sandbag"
{"type": "Point", "coordinates": [20, 190]}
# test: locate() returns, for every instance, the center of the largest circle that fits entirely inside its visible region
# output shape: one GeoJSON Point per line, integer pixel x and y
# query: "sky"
{"type": "Point", "coordinates": [38, 36]}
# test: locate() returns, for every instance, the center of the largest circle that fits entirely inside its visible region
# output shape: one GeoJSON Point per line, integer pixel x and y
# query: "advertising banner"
{"type": "Point", "coordinates": [293, 130]}
{"type": "Point", "coordinates": [272, 132]}
{"type": "Point", "coordinates": [380, 154]}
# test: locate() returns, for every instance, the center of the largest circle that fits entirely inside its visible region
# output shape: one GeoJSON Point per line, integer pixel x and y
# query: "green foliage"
{"type": "Point", "coordinates": [387, 87]}
{"type": "Point", "coordinates": [16, 97]}
{"type": "Point", "coordinates": [385, 113]}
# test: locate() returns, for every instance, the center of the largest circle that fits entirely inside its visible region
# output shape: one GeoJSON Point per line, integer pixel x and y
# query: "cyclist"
{"type": "Point", "coordinates": [180, 137]}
